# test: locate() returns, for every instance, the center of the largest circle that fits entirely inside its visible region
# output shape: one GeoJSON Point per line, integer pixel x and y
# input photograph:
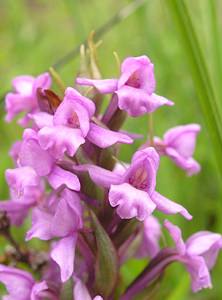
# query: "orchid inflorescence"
{"type": "Point", "coordinates": [93, 211]}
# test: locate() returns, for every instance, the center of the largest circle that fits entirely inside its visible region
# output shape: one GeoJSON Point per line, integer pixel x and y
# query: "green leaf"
{"type": "Point", "coordinates": [106, 271]}
{"type": "Point", "coordinates": [208, 97]}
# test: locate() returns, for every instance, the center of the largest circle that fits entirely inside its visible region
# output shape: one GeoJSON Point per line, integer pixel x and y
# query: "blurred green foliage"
{"type": "Point", "coordinates": [36, 33]}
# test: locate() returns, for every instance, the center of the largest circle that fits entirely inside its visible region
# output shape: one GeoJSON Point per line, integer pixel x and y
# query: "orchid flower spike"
{"type": "Point", "coordinates": [68, 178]}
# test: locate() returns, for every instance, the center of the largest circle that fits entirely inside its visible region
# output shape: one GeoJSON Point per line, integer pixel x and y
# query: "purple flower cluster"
{"type": "Point", "coordinates": [92, 210]}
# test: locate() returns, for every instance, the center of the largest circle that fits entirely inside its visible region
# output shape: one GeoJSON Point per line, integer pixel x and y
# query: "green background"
{"type": "Point", "coordinates": [34, 34]}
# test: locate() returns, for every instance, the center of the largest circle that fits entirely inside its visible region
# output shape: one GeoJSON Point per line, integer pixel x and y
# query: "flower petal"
{"type": "Point", "coordinates": [182, 139]}
{"type": "Point", "coordinates": [63, 253]}
{"type": "Point", "coordinates": [199, 273]}
{"type": "Point", "coordinates": [137, 102]}
{"type": "Point", "coordinates": [38, 290]}
{"type": "Point", "coordinates": [14, 151]}
{"type": "Point", "coordinates": [42, 119]}
{"type": "Point", "coordinates": [169, 207]}
{"type": "Point", "coordinates": [15, 104]}
{"type": "Point", "coordinates": [41, 225]}
{"type": "Point", "coordinates": [67, 219]}
{"type": "Point", "coordinates": [100, 176]}
{"type": "Point", "coordinates": [148, 152]}
{"type": "Point", "coordinates": [105, 138]}
{"type": "Point", "coordinates": [23, 84]}
{"type": "Point", "coordinates": [131, 202]}
{"type": "Point", "coordinates": [105, 86]}
{"type": "Point", "coordinates": [176, 235]}
{"type": "Point", "coordinates": [60, 140]}
{"type": "Point", "coordinates": [138, 71]}
{"type": "Point", "coordinates": [206, 244]}
{"type": "Point", "coordinates": [75, 96]}
{"type": "Point", "coordinates": [31, 154]}
{"type": "Point", "coordinates": [150, 239]}
{"type": "Point", "coordinates": [80, 291]}
{"type": "Point", "coordinates": [59, 177]}
{"type": "Point", "coordinates": [190, 165]}
{"type": "Point", "coordinates": [18, 283]}
{"type": "Point", "coordinates": [20, 178]}
{"type": "Point", "coordinates": [42, 81]}
{"type": "Point", "coordinates": [143, 168]}
{"type": "Point", "coordinates": [72, 114]}
{"type": "Point", "coordinates": [17, 211]}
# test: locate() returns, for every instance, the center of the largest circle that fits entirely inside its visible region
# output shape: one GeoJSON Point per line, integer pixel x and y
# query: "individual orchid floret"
{"type": "Point", "coordinates": [80, 292]}
{"type": "Point", "coordinates": [151, 234]}
{"type": "Point", "coordinates": [31, 154]}
{"type": "Point", "coordinates": [135, 87]}
{"type": "Point", "coordinates": [179, 144]}
{"type": "Point", "coordinates": [26, 191]}
{"type": "Point", "coordinates": [24, 97]}
{"type": "Point", "coordinates": [22, 286]}
{"type": "Point", "coordinates": [62, 219]}
{"type": "Point", "coordinates": [72, 124]}
{"type": "Point", "coordinates": [133, 193]}
{"type": "Point", "coordinates": [69, 125]}
{"type": "Point", "coordinates": [198, 253]}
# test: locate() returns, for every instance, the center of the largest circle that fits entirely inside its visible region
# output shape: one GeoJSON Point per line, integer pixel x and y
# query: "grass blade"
{"type": "Point", "coordinates": [208, 98]}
